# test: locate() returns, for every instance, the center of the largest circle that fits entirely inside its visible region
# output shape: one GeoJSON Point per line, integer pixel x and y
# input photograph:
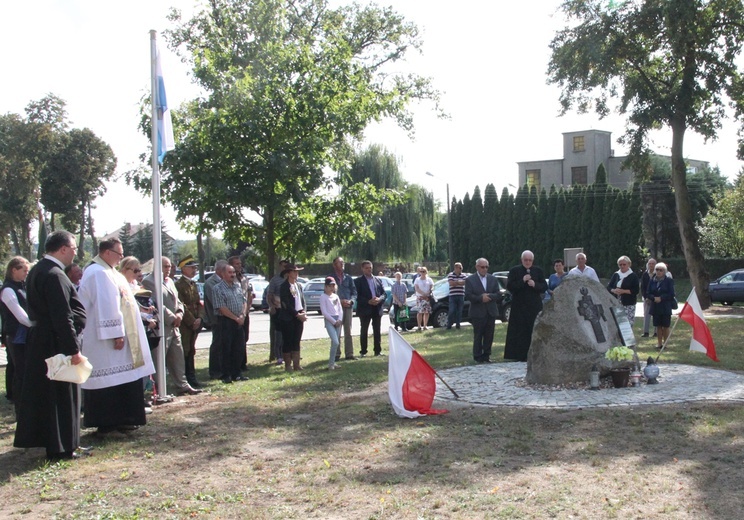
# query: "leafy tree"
{"type": "Point", "coordinates": [669, 63]}
{"type": "Point", "coordinates": [407, 225]}
{"type": "Point", "coordinates": [74, 177]}
{"type": "Point", "coordinates": [288, 85]}
{"type": "Point", "coordinates": [722, 229]}
{"type": "Point", "coordinates": [18, 184]}
{"type": "Point", "coordinates": [492, 224]}
{"type": "Point", "coordinates": [127, 240]}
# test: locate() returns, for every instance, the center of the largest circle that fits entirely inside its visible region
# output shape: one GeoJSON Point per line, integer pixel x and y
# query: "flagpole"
{"type": "Point", "coordinates": [156, 232]}
{"type": "Point", "coordinates": [663, 346]}
{"type": "Point", "coordinates": [445, 384]}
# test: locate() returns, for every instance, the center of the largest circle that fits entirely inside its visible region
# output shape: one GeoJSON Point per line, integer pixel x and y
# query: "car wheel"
{"type": "Point", "coordinates": [507, 313]}
{"type": "Point", "coordinates": [439, 319]}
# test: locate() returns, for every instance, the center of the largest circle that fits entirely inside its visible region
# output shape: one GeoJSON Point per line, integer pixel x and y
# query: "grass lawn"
{"type": "Point", "coordinates": [320, 444]}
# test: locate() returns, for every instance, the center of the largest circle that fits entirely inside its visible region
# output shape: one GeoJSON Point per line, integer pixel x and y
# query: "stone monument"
{"type": "Point", "coordinates": [572, 333]}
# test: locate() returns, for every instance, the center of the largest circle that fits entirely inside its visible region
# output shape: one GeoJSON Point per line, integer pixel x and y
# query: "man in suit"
{"type": "Point", "coordinates": [173, 311]}
{"type": "Point", "coordinates": [484, 294]}
{"type": "Point", "coordinates": [49, 415]}
{"type": "Point", "coordinates": [370, 297]}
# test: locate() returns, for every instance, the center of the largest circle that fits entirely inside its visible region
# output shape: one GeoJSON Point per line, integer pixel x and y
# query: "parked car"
{"type": "Point", "coordinates": [259, 286]}
{"type": "Point", "coordinates": [729, 288]}
{"type": "Point", "coordinates": [440, 310]}
{"type": "Point", "coordinates": [313, 290]}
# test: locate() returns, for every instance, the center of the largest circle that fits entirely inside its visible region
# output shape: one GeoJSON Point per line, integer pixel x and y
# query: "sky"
{"type": "Point", "coordinates": [488, 58]}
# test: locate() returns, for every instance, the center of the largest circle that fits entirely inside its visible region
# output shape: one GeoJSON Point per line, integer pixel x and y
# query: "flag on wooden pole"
{"type": "Point", "coordinates": [411, 383]}
{"type": "Point", "coordinates": [701, 341]}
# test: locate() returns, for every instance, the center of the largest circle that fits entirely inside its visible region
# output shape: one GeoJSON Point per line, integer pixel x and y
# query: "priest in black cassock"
{"type": "Point", "coordinates": [49, 415]}
{"type": "Point", "coordinates": [527, 285]}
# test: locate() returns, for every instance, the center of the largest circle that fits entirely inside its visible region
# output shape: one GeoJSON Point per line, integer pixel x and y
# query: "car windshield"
{"type": "Point", "coordinates": [441, 289]}
{"type": "Point", "coordinates": [315, 286]}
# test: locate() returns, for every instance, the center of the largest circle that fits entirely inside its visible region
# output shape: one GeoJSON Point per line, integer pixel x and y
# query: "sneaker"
{"type": "Point", "coordinates": [334, 367]}
{"type": "Point", "coordinates": [280, 362]}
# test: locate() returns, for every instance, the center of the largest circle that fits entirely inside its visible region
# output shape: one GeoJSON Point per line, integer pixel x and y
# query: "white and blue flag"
{"type": "Point", "coordinates": [165, 126]}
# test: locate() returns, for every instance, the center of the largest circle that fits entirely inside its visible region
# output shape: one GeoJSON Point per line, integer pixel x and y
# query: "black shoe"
{"type": "Point", "coordinates": [350, 358]}
{"type": "Point", "coordinates": [194, 383]}
{"type": "Point", "coordinates": [227, 380]}
{"type": "Point", "coordinates": [457, 327]}
{"type": "Point", "coordinates": [65, 455]}
{"type": "Point", "coordinates": [644, 335]}
{"type": "Point", "coordinates": [240, 378]}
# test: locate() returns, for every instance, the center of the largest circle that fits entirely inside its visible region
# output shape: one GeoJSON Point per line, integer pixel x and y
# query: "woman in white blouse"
{"type": "Point", "coordinates": [15, 325]}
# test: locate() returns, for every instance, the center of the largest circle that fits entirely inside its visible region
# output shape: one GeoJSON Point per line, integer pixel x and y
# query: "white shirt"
{"type": "Point", "coordinates": [588, 272]}
{"type": "Point", "coordinates": [330, 307]}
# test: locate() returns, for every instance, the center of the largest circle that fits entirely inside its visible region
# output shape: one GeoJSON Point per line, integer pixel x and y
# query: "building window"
{"type": "Point", "coordinates": [533, 179]}
{"type": "Point", "coordinates": [578, 143]}
{"type": "Point", "coordinates": [578, 175]}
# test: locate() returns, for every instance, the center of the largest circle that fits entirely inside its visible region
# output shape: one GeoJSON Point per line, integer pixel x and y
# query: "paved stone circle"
{"type": "Point", "coordinates": [495, 385]}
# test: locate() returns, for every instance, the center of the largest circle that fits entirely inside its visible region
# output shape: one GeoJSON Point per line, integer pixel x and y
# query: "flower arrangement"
{"type": "Point", "coordinates": [616, 354]}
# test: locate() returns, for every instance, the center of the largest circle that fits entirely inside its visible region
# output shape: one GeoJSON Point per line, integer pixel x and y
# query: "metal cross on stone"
{"type": "Point", "coordinates": [592, 312]}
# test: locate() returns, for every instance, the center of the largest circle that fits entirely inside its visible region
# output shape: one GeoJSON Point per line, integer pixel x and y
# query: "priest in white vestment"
{"type": "Point", "coordinates": [115, 343]}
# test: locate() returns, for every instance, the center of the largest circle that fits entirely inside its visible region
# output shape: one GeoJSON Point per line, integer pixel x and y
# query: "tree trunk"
{"type": "Point", "coordinates": [690, 246]}
{"type": "Point", "coordinates": [200, 254]}
{"type": "Point", "coordinates": [91, 231]}
{"type": "Point", "coordinates": [81, 244]}
{"type": "Point", "coordinates": [16, 245]}
{"type": "Point", "coordinates": [270, 245]}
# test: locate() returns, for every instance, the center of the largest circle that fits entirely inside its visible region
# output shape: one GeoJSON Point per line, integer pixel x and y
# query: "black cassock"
{"type": "Point", "coordinates": [526, 305]}
{"type": "Point", "coordinates": [49, 415]}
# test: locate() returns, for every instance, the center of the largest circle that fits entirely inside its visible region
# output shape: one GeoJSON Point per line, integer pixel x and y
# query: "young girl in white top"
{"type": "Point", "coordinates": [330, 307]}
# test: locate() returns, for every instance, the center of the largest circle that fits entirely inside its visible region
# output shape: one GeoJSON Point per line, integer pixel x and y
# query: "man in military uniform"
{"type": "Point", "coordinates": [193, 315]}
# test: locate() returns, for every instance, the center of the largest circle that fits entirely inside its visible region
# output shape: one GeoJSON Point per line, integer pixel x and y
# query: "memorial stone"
{"type": "Point", "coordinates": [572, 333]}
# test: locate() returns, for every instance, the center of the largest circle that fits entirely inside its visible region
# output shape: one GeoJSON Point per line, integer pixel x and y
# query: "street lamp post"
{"type": "Point", "coordinates": [451, 259]}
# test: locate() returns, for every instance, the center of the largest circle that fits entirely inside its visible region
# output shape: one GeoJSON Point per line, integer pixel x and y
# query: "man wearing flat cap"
{"type": "Point", "coordinates": [193, 315]}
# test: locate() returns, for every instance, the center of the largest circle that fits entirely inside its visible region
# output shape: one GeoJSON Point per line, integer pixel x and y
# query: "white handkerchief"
{"type": "Point", "coordinates": [59, 368]}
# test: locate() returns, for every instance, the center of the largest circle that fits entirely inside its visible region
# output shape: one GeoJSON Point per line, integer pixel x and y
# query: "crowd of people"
{"type": "Point", "coordinates": [109, 313]}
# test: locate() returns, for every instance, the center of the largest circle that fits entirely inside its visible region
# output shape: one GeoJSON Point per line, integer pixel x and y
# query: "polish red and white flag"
{"type": "Point", "coordinates": [411, 383]}
{"type": "Point", "coordinates": [701, 341]}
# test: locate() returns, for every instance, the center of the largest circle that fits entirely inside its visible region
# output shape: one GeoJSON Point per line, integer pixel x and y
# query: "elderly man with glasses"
{"type": "Point", "coordinates": [484, 294]}
{"type": "Point", "coordinates": [527, 285]}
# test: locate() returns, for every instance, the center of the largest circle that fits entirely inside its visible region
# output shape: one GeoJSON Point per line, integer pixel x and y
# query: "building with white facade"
{"type": "Point", "coordinates": [583, 152]}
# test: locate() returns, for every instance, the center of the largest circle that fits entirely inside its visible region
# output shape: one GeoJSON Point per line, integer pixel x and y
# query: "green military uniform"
{"type": "Point", "coordinates": [188, 293]}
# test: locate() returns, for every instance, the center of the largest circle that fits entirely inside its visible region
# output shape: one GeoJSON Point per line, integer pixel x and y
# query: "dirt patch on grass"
{"type": "Point", "coordinates": [724, 310]}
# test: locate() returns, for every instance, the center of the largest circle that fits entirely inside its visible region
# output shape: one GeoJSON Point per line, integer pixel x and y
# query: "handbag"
{"type": "Point", "coordinates": [675, 303]}
{"type": "Point", "coordinates": [402, 314]}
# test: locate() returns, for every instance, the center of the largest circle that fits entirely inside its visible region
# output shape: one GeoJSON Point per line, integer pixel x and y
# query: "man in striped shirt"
{"type": "Point", "coordinates": [231, 305]}
{"type": "Point", "coordinates": [456, 296]}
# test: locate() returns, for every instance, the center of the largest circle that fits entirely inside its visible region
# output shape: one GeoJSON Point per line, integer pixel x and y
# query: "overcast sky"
{"type": "Point", "coordinates": [488, 58]}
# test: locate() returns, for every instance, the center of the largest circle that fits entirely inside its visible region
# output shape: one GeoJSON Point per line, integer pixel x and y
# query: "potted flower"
{"type": "Point", "coordinates": [620, 374]}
